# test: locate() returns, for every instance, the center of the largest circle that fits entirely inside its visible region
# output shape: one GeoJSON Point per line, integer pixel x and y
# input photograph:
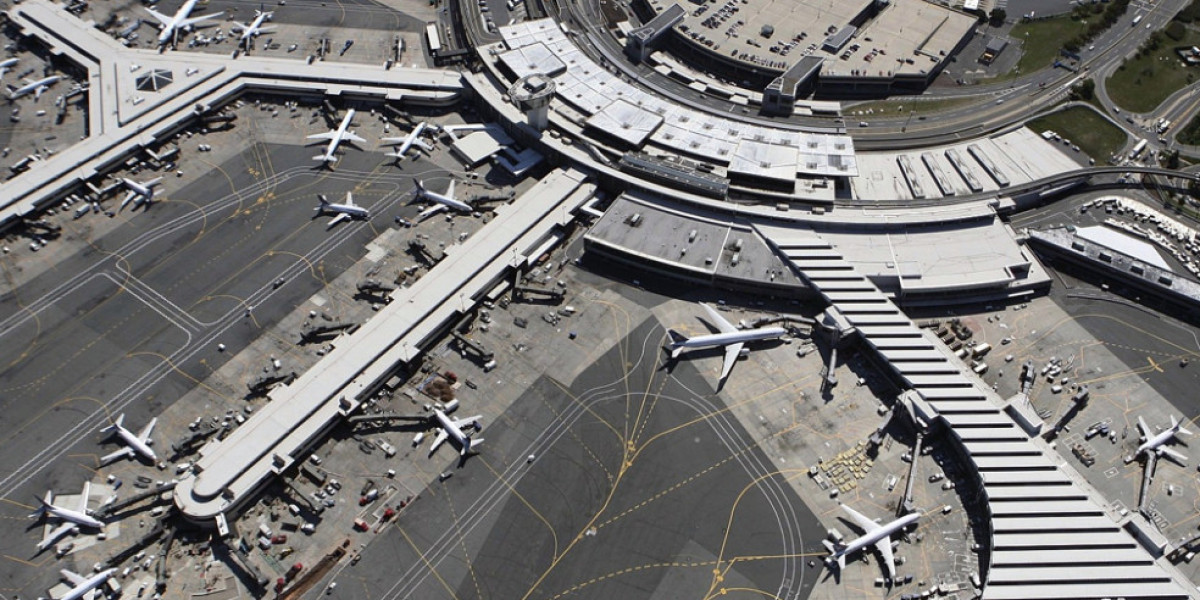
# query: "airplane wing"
{"type": "Point", "coordinates": [83, 497]}
{"type": "Point", "coordinates": [56, 534]}
{"type": "Point", "coordinates": [350, 199]}
{"type": "Point", "coordinates": [722, 324]}
{"type": "Point", "coordinates": [195, 20]}
{"type": "Point", "coordinates": [1145, 429]}
{"type": "Point", "coordinates": [1174, 455]}
{"type": "Point", "coordinates": [161, 18]}
{"type": "Point", "coordinates": [144, 434]}
{"type": "Point", "coordinates": [450, 190]}
{"type": "Point", "coordinates": [328, 135]}
{"type": "Point", "coordinates": [338, 219]}
{"type": "Point", "coordinates": [74, 578]}
{"type": "Point", "coordinates": [885, 550]}
{"type": "Point", "coordinates": [422, 144]}
{"type": "Point", "coordinates": [732, 351]}
{"type": "Point", "coordinates": [128, 196]}
{"type": "Point", "coordinates": [432, 210]}
{"type": "Point", "coordinates": [866, 524]}
{"type": "Point", "coordinates": [350, 137]}
{"type": "Point", "coordinates": [460, 423]}
{"type": "Point", "coordinates": [125, 452]}
{"type": "Point", "coordinates": [441, 438]}
{"type": "Point", "coordinates": [153, 182]}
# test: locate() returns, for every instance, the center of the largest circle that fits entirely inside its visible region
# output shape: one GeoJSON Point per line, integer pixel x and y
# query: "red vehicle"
{"type": "Point", "coordinates": [279, 539]}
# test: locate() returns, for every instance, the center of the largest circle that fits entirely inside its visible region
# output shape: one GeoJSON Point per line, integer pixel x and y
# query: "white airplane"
{"type": "Point", "coordinates": [84, 587]}
{"type": "Point", "coordinates": [408, 141]}
{"type": "Point", "coordinates": [441, 201]}
{"type": "Point", "coordinates": [1158, 443]}
{"type": "Point", "coordinates": [730, 337]}
{"type": "Point", "coordinates": [335, 137]}
{"type": "Point", "coordinates": [452, 429]}
{"type": "Point", "coordinates": [134, 444]}
{"type": "Point", "coordinates": [71, 519]}
{"type": "Point", "coordinates": [140, 193]}
{"type": "Point", "coordinates": [6, 65]}
{"type": "Point", "coordinates": [344, 212]}
{"type": "Point", "coordinates": [875, 534]}
{"type": "Point", "coordinates": [169, 26]}
{"type": "Point", "coordinates": [33, 87]}
{"type": "Point", "coordinates": [255, 28]}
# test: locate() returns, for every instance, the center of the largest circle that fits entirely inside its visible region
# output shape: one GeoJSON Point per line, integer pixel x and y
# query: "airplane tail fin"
{"type": "Point", "coordinates": [1178, 427]}
{"type": "Point", "coordinates": [42, 508]}
{"type": "Point", "coordinates": [677, 340]}
{"type": "Point", "coordinates": [469, 445]}
{"type": "Point", "coordinates": [323, 158]}
{"type": "Point", "coordinates": [115, 425]}
{"type": "Point", "coordinates": [420, 186]}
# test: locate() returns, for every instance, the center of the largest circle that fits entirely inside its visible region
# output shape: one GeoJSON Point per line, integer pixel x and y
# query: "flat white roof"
{"type": "Point", "coordinates": [1123, 243]}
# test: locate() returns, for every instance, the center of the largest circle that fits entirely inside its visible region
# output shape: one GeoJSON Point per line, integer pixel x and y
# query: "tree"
{"type": "Point", "coordinates": [1084, 90]}
{"type": "Point", "coordinates": [998, 16]}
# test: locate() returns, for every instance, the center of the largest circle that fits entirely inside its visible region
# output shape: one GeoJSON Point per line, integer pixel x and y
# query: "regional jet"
{"type": "Point", "coordinates": [729, 336]}
{"type": "Point", "coordinates": [874, 534]}
{"type": "Point", "coordinates": [169, 26]}
{"type": "Point", "coordinates": [344, 212]}
{"type": "Point", "coordinates": [441, 201]}
{"type": "Point", "coordinates": [134, 444]}
{"type": "Point", "coordinates": [84, 587]}
{"type": "Point", "coordinates": [6, 65]}
{"type": "Point", "coordinates": [255, 28]}
{"type": "Point", "coordinates": [1157, 444]}
{"type": "Point", "coordinates": [139, 193]}
{"type": "Point", "coordinates": [335, 137]}
{"type": "Point", "coordinates": [453, 429]}
{"type": "Point", "coordinates": [408, 141]}
{"type": "Point", "coordinates": [71, 519]}
{"type": "Point", "coordinates": [33, 87]}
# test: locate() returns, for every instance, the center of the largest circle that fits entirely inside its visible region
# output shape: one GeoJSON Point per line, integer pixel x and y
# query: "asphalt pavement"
{"type": "Point", "coordinates": [132, 322]}
{"type": "Point", "coordinates": [640, 486]}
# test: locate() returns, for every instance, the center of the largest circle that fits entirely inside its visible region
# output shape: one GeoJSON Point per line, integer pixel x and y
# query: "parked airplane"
{"type": "Point", "coordinates": [730, 337]}
{"type": "Point", "coordinates": [1158, 443]}
{"type": "Point", "coordinates": [33, 87]}
{"type": "Point", "coordinates": [335, 137]}
{"type": "Point", "coordinates": [140, 193]}
{"type": "Point", "coordinates": [408, 141]}
{"type": "Point", "coordinates": [84, 587]}
{"type": "Point", "coordinates": [255, 28]}
{"type": "Point", "coordinates": [441, 201]}
{"type": "Point", "coordinates": [6, 65]}
{"type": "Point", "coordinates": [875, 534]}
{"type": "Point", "coordinates": [71, 519]}
{"type": "Point", "coordinates": [134, 444]}
{"type": "Point", "coordinates": [344, 212]}
{"type": "Point", "coordinates": [169, 26]}
{"type": "Point", "coordinates": [452, 429]}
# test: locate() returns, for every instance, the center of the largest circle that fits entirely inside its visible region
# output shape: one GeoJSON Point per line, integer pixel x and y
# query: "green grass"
{"type": "Point", "coordinates": [1095, 135]}
{"type": "Point", "coordinates": [903, 107]}
{"type": "Point", "coordinates": [1190, 134]}
{"type": "Point", "coordinates": [1141, 84]}
{"type": "Point", "coordinates": [1041, 41]}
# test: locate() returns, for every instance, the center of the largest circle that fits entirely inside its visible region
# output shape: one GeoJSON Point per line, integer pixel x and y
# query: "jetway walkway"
{"type": "Point", "coordinates": [1037, 506]}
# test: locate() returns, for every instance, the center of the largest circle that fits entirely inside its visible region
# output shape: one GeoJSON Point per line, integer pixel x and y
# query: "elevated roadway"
{"type": "Point", "coordinates": [123, 119]}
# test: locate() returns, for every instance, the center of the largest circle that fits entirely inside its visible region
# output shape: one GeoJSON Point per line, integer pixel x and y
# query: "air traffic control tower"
{"type": "Point", "coordinates": [532, 94]}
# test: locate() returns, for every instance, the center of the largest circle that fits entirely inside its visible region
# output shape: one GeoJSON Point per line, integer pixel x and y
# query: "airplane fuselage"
{"type": "Point", "coordinates": [451, 430]}
{"type": "Point", "coordinates": [338, 135]}
{"type": "Point", "coordinates": [35, 86]}
{"type": "Point", "coordinates": [73, 516]}
{"type": "Point", "coordinates": [253, 29]}
{"type": "Point", "coordinates": [724, 339]}
{"type": "Point", "coordinates": [138, 446]}
{"type": "Point", "coordinates": [1155, 442]}
{"type": "Point", "coordinates": [357, 212]}
{"type": "Point", "coordinates": [181, 15]}
{"type": "Point", "coordinates": [873, 537]}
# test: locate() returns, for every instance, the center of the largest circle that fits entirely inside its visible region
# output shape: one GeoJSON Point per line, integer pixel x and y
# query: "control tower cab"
{"type": "Point", "coordinates": [532, 94]}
